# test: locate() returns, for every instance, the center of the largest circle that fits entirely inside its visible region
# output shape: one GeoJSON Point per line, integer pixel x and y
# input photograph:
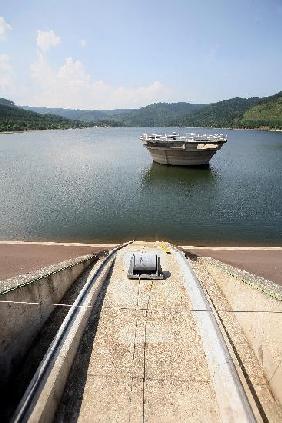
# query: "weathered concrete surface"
{"type": "Point", "coordinates": [253, 319]}
{"type": "Point", "coordinates": [50, 389]}
{"type": "Point", "coordinates": [25, 304]}
{"type": "Point", "coordinates": [141, 357]}
{"type": "Point", "coordinates": [18, 384]}
{"type": "Point", "coordinates": [20, 258]}
{"type": "Point", "coordinates": [265, 262]}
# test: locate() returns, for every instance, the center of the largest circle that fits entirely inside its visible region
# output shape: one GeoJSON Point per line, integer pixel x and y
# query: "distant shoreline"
{"type": "Point", "coordinates": [113, 244]}
{"type": "Point", "coordinates": [252, 113]}
{"type": "Point", "coordinates": [107, 127]}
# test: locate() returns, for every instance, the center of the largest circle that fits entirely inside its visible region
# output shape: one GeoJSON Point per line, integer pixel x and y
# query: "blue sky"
{"type": "Point", "coordinates": [129, 53]}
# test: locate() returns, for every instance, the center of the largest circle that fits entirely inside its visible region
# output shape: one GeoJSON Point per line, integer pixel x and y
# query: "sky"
{"type": "Point", "coordinates": [108, 54]}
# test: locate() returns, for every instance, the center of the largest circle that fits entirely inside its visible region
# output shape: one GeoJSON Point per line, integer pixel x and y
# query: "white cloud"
{"type": "Point", "coordinates": [71, 86]}
{"type": "Point", "coordinates": [4, 28]}
{"type": "Point", "coordinates": [47, 39]}
{"type": "Point", "coordinates": [6, 73]}
{"type": "Point", "coordinates": [83, 43]}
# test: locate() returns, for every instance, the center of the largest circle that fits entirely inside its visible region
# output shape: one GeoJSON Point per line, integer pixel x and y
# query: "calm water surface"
{"type": "Point", "coordinates": [100, 184]}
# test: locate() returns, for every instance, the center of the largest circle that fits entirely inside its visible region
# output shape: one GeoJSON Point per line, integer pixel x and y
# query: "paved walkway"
{"type": "Point", "coordinates": [146, 361]}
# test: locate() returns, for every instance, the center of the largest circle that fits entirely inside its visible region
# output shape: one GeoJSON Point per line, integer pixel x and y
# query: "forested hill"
{"type": "Point", "coordinates": [158, 114]}
{"type": "Point", "coordinates": [236, 112]}
{"type": "Point", "coordinates": [266, 114]}
{"type": "Point", "coordinates": [224, 114]}
{"type": "Point", "coordinates": [13, 118]}
{"type": "Point", "coordinates": [77, 114]}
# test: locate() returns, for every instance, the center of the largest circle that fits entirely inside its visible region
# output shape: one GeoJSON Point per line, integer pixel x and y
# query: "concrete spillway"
{"type": "Point", "coordinates": [146, 359]}
{"type": "Point", "coordinates": [144, 350]}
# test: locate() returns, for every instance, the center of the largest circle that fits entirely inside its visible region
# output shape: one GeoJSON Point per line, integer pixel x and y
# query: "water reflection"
{"type": "Point", "coordinates": [159, 174]}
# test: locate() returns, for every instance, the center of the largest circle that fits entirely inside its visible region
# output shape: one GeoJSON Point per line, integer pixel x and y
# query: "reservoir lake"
{"type": "Point", "coordinates": [100, 185]}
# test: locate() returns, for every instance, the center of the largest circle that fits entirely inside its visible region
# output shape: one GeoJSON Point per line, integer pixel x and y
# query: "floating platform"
{"type": "Point", "coordinates": [189, 150]}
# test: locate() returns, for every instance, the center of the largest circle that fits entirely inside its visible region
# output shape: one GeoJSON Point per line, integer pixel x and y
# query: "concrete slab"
{"type": "Point", "coordinates": [169, 293]}
{"type": "Point", "coordinates": [146, 361]}
{"type": "Point", "coordinates": [172, 400]}
{"type": "Point", "coordinates": [118, 346]}
{"type": "Point", "coordinates": [174, 347]}
{"type": "Point", "coordinates": [109, 399]}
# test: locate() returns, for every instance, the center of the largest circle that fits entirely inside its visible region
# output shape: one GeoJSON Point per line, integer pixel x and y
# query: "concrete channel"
{"type": "Point", "coordinates": [141, 351]}
{"type": "Point", "coordinates": [26, 303]}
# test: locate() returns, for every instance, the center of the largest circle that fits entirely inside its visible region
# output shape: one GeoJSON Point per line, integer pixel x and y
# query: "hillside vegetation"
{"type": "Point", "coordinates": [226, 113]}
{"type": "Point", "coordinates": [77, 114]}
{"type": "Point", "coordinates": [236, 112]}
{"type": "Point", "coordinates": [267, 114]}
{"type": "Point", "coordinates": [159, 114]}
{"type": "Point", "coordinates": [13, 118]}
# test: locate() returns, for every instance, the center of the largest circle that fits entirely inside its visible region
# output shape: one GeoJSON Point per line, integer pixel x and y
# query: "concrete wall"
{"type": "Point", "coordinates": [26, 302]}
{"type": "Point", "coordinates": [260, 319]}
